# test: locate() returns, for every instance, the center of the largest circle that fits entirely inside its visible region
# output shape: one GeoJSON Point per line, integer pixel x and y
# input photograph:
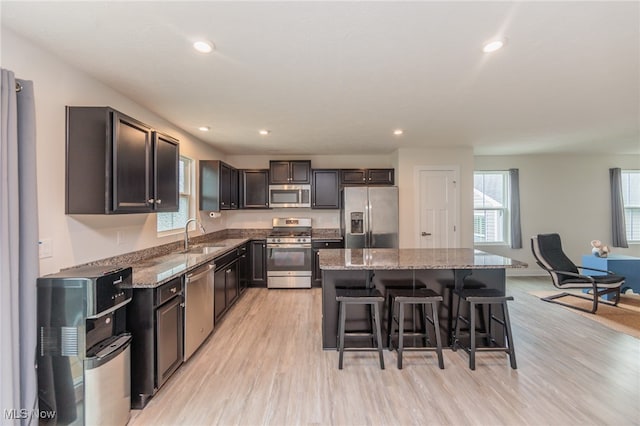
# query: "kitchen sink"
{"type": "Point", "coordinates": [204, 249]}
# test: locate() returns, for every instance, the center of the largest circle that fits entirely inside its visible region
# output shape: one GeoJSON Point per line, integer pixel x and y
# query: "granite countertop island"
{"type": "Point", "coordinates": [459, 258]}
{"type": "Point", "coordinates": [441, 270]}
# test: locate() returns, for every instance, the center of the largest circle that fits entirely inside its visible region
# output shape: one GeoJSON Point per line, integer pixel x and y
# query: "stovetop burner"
{"type": "Point", "coordinates": [288, 233]}
{"type": "Point", "coordinates": [290, 230]}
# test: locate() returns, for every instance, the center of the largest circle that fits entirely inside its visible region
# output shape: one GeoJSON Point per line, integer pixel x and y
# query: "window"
{"type": "Point", "coordinates": [491, 207]}
{"type": "Point", "coordinates": [176, 220]}
{"type": "Point", "coordinates": [631, 200]}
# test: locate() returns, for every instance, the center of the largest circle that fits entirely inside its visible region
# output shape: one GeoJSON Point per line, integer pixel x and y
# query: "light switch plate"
{"type": "Point", "coordinates": [45, 248]}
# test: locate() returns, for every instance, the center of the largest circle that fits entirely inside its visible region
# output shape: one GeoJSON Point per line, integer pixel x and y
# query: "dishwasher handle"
{"type": "Point", "coordinates": [199, 273]}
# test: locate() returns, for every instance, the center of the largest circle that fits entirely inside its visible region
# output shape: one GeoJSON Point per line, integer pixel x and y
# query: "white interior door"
{"type": "Point", "coordinates": [438, 216]}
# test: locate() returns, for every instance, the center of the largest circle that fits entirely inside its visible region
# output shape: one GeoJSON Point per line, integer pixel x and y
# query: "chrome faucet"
{"type": "Point", "coordinates": [186, 231]}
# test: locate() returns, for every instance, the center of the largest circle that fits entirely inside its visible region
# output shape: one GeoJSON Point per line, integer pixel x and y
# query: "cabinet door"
{"type": "Point", "coordinates": [209, 188]}
{"type": "Point", "coordinates": [233, 188]}
{"type": "Point", "coordinates": [169, 329]}
{"type": "Point", "coordinates": [166, 171]}
{"type": "Point", "coordinates": [353, 176]}
{"type": "Point", "coordinates": [132, 166]}
{"type": "Point", "coordinates": [279, 172]}
{"type": "Point", "coordinates": [255, 189]}
{"type": "Point", "coordinates": [231, 282]}
{"type": "Point", "coordinates": [300, 171]}
{"type": "Point", "coordinates": [316, 277]}
{"type": "Point", "coordinates": [325, 189]}
{"type": "Point", "coordinates": [258, 267]}
{"type": "Point", "coordinates": [243, 268]}
{"type": "Point", "coordinates": [380, 176]}
{"type": "Point", "coordinates": [225, 187]}
{"type": "Point", "coordinates": [219, 294]}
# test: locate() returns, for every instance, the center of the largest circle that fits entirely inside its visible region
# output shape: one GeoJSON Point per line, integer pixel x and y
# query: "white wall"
{"type": "Point", "coordinates": [567, 194]}
{"type": "Point", "coordinates": [82, 238]}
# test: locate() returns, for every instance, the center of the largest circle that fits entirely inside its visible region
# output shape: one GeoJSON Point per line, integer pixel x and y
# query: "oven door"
{"type": "Point", "coordinates": [288, 265]}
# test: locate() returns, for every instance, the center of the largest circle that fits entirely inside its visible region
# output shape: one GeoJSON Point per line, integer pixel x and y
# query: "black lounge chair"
{"type": "Point", "coordinates": [547, 249]}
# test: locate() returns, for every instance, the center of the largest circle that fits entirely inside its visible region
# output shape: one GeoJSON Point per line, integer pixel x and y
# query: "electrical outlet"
{"type": "Point", "coordinates": [45, 248]}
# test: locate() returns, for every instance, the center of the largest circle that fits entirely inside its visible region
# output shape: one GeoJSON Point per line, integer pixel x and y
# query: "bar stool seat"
{"type": "Point", "coordinates": [359, 296]}
{"type": "Point", "coordinates": [484, 297]}
{"type": "Point", "coordinates": [419, 298]}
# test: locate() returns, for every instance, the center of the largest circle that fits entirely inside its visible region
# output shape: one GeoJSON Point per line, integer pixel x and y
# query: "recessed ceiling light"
{"type": "Point", "coordinates": [264, 132]}
{"type": "Point", "coordinates": [493, 45]}
{"type": "Point", "coordinates": [204, 128]}
{"type": "Point", "coordinates": [398, 132]}
{"type": "Point", "coordinates": [203, 46]}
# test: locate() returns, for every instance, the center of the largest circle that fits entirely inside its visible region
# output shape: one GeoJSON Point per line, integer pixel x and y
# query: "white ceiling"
{"type": "Point", "coordinates": [339, 77]}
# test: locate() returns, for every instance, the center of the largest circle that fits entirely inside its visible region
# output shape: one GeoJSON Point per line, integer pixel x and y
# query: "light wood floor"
{"type": "Point", "coordinates": [264, 365]}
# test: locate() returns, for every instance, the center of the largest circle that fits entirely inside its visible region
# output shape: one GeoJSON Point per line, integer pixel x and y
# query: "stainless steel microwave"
{"type": "Point", "coordinates": [289, 196]}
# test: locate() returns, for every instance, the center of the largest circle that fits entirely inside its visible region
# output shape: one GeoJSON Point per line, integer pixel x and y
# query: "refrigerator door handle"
{"type": "Point", "coordinates": [366, 225]}
{"type": "Point", "coordinates": [369, 225]}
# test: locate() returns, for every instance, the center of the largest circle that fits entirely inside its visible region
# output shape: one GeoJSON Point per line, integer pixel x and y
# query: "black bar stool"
{"type": "Point", "coordinates": [359, 296]}
{"type": "Point", "coordinates": [448, 288]}
{"type": "Point", "coordinates": [484, 297]}
{"type": "Point", "coordinates": [419, 298]}
{"type": "Point", "coordinates": [391, 286]}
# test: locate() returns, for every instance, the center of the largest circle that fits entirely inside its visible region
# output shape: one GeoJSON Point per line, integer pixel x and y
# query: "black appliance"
{"type": "Point", "coordinates": [83, 346]}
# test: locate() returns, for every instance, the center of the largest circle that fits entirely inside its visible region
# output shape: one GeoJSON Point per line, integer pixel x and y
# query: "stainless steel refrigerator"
{"type": "Point", "coordinates": [369, 216]}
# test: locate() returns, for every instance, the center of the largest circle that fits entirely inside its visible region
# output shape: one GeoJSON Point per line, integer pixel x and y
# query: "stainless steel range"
{"type": "Point", "coordinates": [289, 253]}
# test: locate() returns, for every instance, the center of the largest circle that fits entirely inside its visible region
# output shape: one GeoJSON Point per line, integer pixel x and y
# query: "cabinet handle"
{"type": "Point", "coordinates": [158, 201]}
{"type": "Point", "coordinates": [228, 271]}
{"type": "Point", "coordinates": [182, 305]}
{"type": "Point", "coordinates": [150, 200]}
{"type": "Point", "coordinates": [173, 290]}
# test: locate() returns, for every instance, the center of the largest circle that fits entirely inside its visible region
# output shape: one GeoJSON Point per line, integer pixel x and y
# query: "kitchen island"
{"type": "Point", "coordinates": [437, 269]}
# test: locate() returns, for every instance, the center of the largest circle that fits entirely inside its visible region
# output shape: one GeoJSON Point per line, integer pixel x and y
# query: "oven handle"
{"type": "Point", "coordinates": [269, 245]}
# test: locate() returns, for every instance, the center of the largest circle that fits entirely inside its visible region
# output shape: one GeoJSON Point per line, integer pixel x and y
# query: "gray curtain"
{"type": "Point", "coordinates": [19, 263]}
{"type": "Point", "coordinates": [618, 227]}
{"type": "Point", "coordinates": [514, 192]}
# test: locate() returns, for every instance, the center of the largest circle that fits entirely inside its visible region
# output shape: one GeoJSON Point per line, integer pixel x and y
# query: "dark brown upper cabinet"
{"type": "Point", "coordinates": [117, 164]}
{"type": "Point", "coordinates": [289, 172]}
{"type": "Point", "coordinates": [254, 189]}
{"type": "Point", "coordinates": [325, 189]}
{"type": "Point", "coordinates": [367, 176]}
{"type": "Point", "coordinates": [166, 172]}
{"type": "Point", "coordinates": [218, 186]}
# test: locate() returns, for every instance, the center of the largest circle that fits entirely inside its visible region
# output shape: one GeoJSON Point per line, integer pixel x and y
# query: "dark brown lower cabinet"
{"type": "Point", "coordinates": [155, 318]}
{"type": "Point", "coordinates": [316, 245]}
{"type": "Point", "coordinates": [258, 263]}
{"type": "Point", "coordinates": [225, 283]}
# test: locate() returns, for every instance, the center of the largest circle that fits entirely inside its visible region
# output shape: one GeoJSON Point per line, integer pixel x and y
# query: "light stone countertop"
{"type": "Point", "coordinates": [151, 273]}
{"type": "Point", "coordinates": [391, 259]}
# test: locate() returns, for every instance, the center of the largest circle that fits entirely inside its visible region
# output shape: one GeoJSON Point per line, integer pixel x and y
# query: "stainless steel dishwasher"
{"type": "Point", "coordinates": [198, 321]}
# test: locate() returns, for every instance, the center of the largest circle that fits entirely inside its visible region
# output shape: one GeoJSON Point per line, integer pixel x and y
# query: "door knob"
{"type": "Point", "coordinates": [424, 234]}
